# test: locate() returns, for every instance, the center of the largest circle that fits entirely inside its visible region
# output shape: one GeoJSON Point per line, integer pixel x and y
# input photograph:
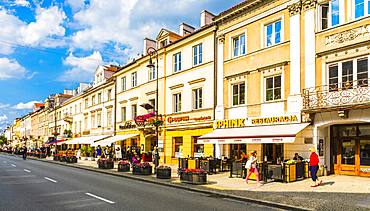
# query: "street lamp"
{"type": "Point", "coordinates": [55, 125]}
{"type": "Point", "coordinates": [152, 52]}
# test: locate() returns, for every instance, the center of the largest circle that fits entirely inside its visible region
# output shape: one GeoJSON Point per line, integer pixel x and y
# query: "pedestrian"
{"type": "Point", "coordinates": [297, 157]}
{"type": "Point", "coordinates": [24, 152]}
{"type": "Point", "coordinates": [314, 167]}
{"type": "Point", "coordinates": [251, 165]}
{"type": "Point", "coordinates": [98, 152]}
{"type": "Point", "coordinates": [78, 154]}
{"type": "Point", "coordinates": [118, 153]}
{"type": "Point", "coordinates": [244, 160]}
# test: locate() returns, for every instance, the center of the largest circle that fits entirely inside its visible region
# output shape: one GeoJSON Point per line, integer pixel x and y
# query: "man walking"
{"type": "Point", "coordinates": [24, 152]}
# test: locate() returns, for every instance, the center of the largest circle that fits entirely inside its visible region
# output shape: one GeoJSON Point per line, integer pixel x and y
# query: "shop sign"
{"type": "Point", "coordinates": [187, 118]}
{"type": "Point", "coordinates": [365, 170]}
{"type": "Point", "coordinates": [229, 123]}
{"type": "Point", "coordinates": [127, 125]}
{"type": "Point", "coordinates": [275, 120]}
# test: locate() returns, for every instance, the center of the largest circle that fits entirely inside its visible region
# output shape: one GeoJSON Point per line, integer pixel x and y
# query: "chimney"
{"type": "Point", "coordinates": [206, 18]}
{"type": "Point", "coordinates": [186, 29]}
{"type": "Point", "coordinates": [147, 44]}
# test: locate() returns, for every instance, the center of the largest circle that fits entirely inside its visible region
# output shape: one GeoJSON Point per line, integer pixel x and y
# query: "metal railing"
{"type": "Point", "coordinates": [346, 94]}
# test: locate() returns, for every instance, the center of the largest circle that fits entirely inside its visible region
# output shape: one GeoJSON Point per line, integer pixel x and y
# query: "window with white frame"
{"type": "Point", "coordinates": [273, 33]}
{"type": "Point", "coordinates": [124, 86]}
{"type": "Point", "coordinates": [86, 103]}
{"type": "Point", "coordinates": [273, 88]}
{"type": "Point", "coordinates": [176, 102]}
{"type": "Point", "coordinates": [329, 13]}
{"type": "Point", "coordinates": [177, 62]}
{"type": "Point", "coordinates": [134, 79]}
{"type": "Point", "coordinates": [99, 98]}
{"type": "Point", "coordinates": [109, 94]}
{"type": "Point", "coordinates": [93, 120]}
{"type": "Point", "coordinates": [152, 73]}
{"type": "Point", "coordinates": [238, 94]}
{"type": "Point", "coordinates": [361, 8]}
{"type": "Point", "coordinates": [85, 122]}
{"type": "Point", "coordinates": [349, 73]}
{"type": "Point", "coordinates": [197, 98]}
{"type": "Point", "coordinates": [93, 100]}
{"type": "Point", "coordinates": [239, 45]}
{"type": "Point", "coordinates": [98, 117]}
{"type": "Point", "coordinates": [133, 111]}
{"type": "Point", "coordinates": [123, 114]}
{"type": "Point", "coordinates": [198, 54]}
{"type": "Point", "coordinates": [109, 118]}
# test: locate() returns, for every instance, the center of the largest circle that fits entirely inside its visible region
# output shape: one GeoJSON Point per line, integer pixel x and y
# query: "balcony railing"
{"type": "Point", "coordinates": [68, 117]}
{"type": "Point", "coordinates": [337, 96]}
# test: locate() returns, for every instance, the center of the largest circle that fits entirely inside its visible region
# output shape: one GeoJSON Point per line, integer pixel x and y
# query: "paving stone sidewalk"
{"type": "Point", "coordinates": [336, 193]}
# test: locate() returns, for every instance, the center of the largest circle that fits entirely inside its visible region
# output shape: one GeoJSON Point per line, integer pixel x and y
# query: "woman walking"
{"type": "Point", "coordinates": [251, 165]}
{"type": "Point", "coordinates": [314, 167]}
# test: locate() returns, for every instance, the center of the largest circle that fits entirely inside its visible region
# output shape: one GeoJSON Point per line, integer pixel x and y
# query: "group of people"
{"type": "Point", "coordinates": [313, 166]}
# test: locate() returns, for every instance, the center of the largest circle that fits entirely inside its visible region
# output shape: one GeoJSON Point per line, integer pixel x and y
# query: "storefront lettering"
{"type": "Point", "coordinates": [127, 125]}
{"type": "Point", "coordinates": [187, 118]}
{"type": "Point", "coordinates": [273, 120]}
{"type": "Point", "coordinates": [230, 123]}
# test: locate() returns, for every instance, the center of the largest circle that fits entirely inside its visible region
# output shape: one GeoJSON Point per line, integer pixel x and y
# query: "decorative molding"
{"type": "Point", "coordinates": [295, 8]}
{"type": "Point", "coordinates": [123, 101]}
{"type": "Point", "coordinates": [151, 92]}
{"type": "Point", "coordinates": [221, 38]}
{"type": "Point", "coordinates": [176, 86]}
{"type": "Point", "coordinates": [133, 98]}
{"type": "Point", "coordinates": [348, 35]}
{"type": "Point", "coordinates": [197, 81]}
{"type": "Point", "coordinates": [98, 109]}
{"type": "Point", "coordinates": [308, 4]}
{"type": "Point", "coordinates": [109, 106]}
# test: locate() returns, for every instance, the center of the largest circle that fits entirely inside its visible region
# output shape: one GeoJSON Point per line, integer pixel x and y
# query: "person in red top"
{"type": "Point", "coordinates": [314, 167]}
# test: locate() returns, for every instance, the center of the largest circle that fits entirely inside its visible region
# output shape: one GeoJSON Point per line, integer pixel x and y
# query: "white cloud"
{"type": "Point", "coordinates": [2, 106]}
{"type": "Point", "coordinates": [23, 3]}
{"type": "Point", "coordinates": [10, 68]}
{"type": "Point", "coordinates": [76, 4]}
{"type": "Point", "coordinates": [82, 68]}
{"type": "Point", "coordinates": [46, 31]}
{"type": "Point", "coordinates": [24, 106]}
{"type": "Point", "coordinates": [3, 118]}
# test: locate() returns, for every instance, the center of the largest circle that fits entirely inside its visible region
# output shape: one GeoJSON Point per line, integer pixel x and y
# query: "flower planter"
{"type": "Point", "coordinates": [142, 170]}
{"type": "Point", "coordinates": [105, 164]}
{"type": "Point", "coordinates": [196, 177]}
{"type": "Point", "coordinates": [124, 167]}
{"type": "Point", "coordinates": [163, 173]}
{"type": "Point", "coordinates": [56, 158]}
{"type": "Point", "coordinates": [71, 159]}
{"type": "Point", "coordinates": [62, 158]}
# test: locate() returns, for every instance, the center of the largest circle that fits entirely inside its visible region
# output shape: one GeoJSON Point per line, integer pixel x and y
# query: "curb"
{"type": "Point", "coordinates": [198, 190]}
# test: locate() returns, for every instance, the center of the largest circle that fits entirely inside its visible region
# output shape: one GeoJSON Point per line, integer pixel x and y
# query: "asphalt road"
{"type": "Point", "coordinates": [34, 185]}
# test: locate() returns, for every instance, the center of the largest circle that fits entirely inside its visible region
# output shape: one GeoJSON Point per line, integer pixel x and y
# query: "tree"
{"type": "Point", "coordinates": [3, 140]}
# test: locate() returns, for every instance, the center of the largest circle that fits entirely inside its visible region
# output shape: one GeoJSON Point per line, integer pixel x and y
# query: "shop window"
{"type": "Point", "coordinates": [273, 33]}
{"type": "Point", "coordinates": [364, 130]}
{"type": "Point", "coordinates": [177, 147]}
{"type": "Point", "coordinates": [197, 98]}
{"type": "Point", "coordinates": [239, 45]}
{"type": "Point", "coordinates": [176, 102]}
{"type": "Point", "coordinates": [273, 88]}
{"type": "Point", "coordinates": [348, 152]}
{"type": "Point", "coordinates": [198, 148]}
{"type": "Point", "coordinates": [362, 72]}
{"type": "Point", "coordinates": [365, 152]}
{"type": "Point", "coordinates": [177, 62]}
{"type": "Point", "coordinates": [198, 54]}
{"type": "Point", "coordinates": [238, 94]}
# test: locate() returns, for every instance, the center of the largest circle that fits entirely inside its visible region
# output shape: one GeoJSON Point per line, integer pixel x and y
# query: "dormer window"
{"type": "Point", "coordinates": [163, 43]}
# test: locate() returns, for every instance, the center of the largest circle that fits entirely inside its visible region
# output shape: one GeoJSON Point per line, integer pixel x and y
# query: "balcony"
{"type": "Point", "coordinates": [340, 96]}
{"type": "Point", "coordinates": [68, 117]}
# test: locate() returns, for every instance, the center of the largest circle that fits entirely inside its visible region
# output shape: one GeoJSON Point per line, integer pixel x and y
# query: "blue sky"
{"type": "Point", "coordinates": [49, 45]}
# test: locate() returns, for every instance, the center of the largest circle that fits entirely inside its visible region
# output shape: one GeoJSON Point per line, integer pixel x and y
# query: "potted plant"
{"type": "Point", "coordinates": [163, 172]}
{"type": "Point", "coordinates": [193, 176]}
{"type": "Point", "coordinates": [104, 163]}
{"type": "Point", "coordinates": [89, 153]}
{"type": "Point", "coordinates": [56, 157]}
{"type": "Point", "coordinates": [142, 169]}
{"type": "Point", "coordinates": [123, 166]}
{"type": "Point", "coordinates": [83, 152]}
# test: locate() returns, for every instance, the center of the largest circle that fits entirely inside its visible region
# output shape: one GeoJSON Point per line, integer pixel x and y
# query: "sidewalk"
{"type": "Point", "coordinates": [336, 193]}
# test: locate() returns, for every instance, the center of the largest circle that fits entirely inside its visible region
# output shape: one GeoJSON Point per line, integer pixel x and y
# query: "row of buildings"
{"type": "Point", "coordinates": [275, 76]}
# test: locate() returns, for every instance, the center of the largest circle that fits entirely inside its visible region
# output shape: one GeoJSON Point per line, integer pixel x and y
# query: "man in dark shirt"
{"type": "Point", "coordinates": [297, 157]}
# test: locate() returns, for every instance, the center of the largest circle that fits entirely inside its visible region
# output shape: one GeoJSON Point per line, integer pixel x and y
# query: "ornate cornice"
{"type": "Point", "coordinates": [221, 38]}
{"type": "Point", "coordinates": [295, 8]}
{"type": "Point", "coordinates": [308, 4]}
{"type": "Point", "coordinates": [348, 35]}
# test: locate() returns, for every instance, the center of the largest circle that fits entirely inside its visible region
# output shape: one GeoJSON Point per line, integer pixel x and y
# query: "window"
{"type": "Point", "coordinates": [80, 110]}
{"type": "Point", "coordinates": [99, 98]}
{"type": "Point", "coordinates": [239, 45]}
{"type": "Point", "coordinates": [177, 102]}
{"type": "Point", "coordinates": [273, 88]}
{"type": "Point", "coordinates": [177, 62]}
{"type": "Point", "coordinates": [362, 72]}
{"type": "Point", "coordinates": [347, 74]}
{"type": "Point", "coordinates": [334, 12]}
{"type": "Point", "coordinates": [329, 14]}
{"type": "Point", "coordinates": [197, 54]}
{"type": "Point", "coordinates": [99, 119]}
{"type": "Point", "coordinates": [333, 77]}
{"type": "Point", "coordinates": [109, 94]}
{"type": "Point", "coordinates": [273, 33]}
{"type": "Point", "coordinates": [177, 147]}
{"type": "Point", "coordinates": [93, 100]}
{"type": "Point", "coordinates": [361, 8]}
{"type": "Point", "coordinates": [198, 148]}
{"type": "Point", "coordinates": [197, 98]}
{"type": "Point", "coordinates": [152, 103]}
{"type": "Point", "coordinates": [238, 94]}
{"type": "Point", "coordinates": [324, 12]}
{"type": "Point", "coordinates": [133, 111]}
{"type": "Point", "coordinates": [109, 118]}
{"type": "Point", "coordinates": [86, 103]}
{"type": "Point", "coordinates": [152, 73]}
{"type": "Point", "coordinates": [134, 79]}
{"type": "Point", "coordinates": [163, 43]}
{"type": "Point", "coordinates": [93, 120]}
{"type": "Point", "coordinates": [124, 83]}
{"type": "Point", "coordinates": [123, 114]}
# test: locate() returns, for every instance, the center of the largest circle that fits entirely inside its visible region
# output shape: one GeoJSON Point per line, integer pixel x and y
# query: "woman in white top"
{"type": "Point", "coordinates": [118, 153]}
{"type": "Point", "coordinates": [251, 164]}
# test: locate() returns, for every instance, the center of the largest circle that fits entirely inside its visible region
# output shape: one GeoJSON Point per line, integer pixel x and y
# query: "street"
{"type": "Point", "coordinates": [34, 185]}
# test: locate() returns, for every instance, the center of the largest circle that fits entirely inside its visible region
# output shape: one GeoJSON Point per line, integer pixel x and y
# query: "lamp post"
{"type": "Point", "coordinates": [55, 125]}
{"type": "Point", "coordinates": [152, 52]}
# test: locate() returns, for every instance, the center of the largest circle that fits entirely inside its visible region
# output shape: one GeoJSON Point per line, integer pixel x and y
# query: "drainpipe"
{"type": "Point", "coordinates": [115, 106]}
{"type": "Point", "coordinates": [215, 48]}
